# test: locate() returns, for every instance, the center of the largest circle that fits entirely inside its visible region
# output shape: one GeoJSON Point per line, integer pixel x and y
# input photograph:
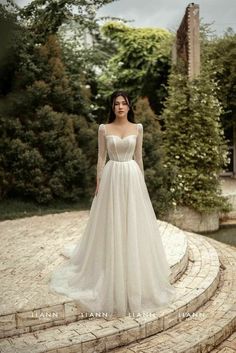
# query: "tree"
{"type": "Point", "coordinates": [45, 17]}
{"type": "Point", "coordinates": [194, 141]}
{"type": "Point", "coordinates": [220, 55]}
{"type": "Point", "coordinates": [141, 62]}
{"type": "Point", "coordinates": [85, 55]}
{"type": "Point", "coordinates": [156, 176]}
{"type": "Point", "coordinates": [41, 157]}
{"type": "Point", "coordinates": [45, 137]}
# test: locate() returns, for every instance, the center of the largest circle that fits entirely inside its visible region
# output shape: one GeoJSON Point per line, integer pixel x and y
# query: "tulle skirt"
{"type": "Point", "coordinates": [118, 266]}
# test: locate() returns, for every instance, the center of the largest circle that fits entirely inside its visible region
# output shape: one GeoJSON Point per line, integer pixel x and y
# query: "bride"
{"type": "Point", "coordinates": [118, 266]}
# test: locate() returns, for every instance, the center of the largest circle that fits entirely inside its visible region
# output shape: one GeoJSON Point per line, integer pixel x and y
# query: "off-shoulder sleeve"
{"type": "Point", "coordinates": [138, 154]}
{"type": "Point", "coordinates": [102, 151]}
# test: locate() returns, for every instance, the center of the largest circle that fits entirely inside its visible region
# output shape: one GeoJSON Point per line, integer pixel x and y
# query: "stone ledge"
{"type": "Point", "coordinates": [227, 346]}
{"type": "Point", "coordinates": [26, 304]}
{"type": "Point", "coordinates": [190, 220]}
{"type": "Point", "coordinates": [194, 288]}
{"type": "Point", "coordinates": [213, 323]}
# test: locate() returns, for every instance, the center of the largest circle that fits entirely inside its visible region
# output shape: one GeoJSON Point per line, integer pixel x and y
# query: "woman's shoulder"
{"type": "Point", "coordinates": [101, 129]}
{"type": "Point", "coordinates": [140, 126]}
{"type": "Point", "coordinates": [103, 126]}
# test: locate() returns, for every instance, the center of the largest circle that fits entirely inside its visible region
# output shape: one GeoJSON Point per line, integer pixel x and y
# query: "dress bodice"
{"type": "Point", "coordinates": [121, 149]}
{"type": "Point", "coordinates": [118, 148]}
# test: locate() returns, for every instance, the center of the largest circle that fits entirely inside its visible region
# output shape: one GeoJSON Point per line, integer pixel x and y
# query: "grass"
{"type": "Point", "coordinates": [16, 208]}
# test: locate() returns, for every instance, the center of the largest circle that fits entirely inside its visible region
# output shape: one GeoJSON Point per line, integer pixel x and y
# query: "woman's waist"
{"type": "Point", "coordinates": [121, 161]}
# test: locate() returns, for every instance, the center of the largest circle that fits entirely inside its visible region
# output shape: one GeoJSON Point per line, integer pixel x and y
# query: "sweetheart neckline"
{"type": "Point", "coordinates": [122, 138]}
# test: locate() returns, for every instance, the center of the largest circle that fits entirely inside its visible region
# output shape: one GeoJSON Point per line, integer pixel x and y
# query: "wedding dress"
{"type": "Point", "coordinates": [119, 265]}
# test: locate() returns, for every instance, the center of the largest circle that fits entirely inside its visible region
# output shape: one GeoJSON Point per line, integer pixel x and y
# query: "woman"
{"type": "Point", "coordinates": [119, 266]}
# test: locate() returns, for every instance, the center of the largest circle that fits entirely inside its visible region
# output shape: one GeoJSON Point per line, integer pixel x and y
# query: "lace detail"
{"type": "Point", "coordinates": [138, 155]}
{"type": "Point", "coordinates": [102, 151]}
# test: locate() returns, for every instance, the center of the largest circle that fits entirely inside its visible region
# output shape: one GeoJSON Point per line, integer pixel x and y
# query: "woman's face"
{"type": "Point", "coordinates": [121, 107]}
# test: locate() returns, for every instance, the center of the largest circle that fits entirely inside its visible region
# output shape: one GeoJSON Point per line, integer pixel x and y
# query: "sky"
{"type": "Point", "coordinates": [169, 13]}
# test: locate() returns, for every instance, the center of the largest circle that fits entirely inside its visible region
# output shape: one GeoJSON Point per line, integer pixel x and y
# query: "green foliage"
{"type": "Point", "coordinates": [141, 62]}
{"type": "Point", "coordinates": [49, 100]}
{"type": "Point", "coordinates": [82, 62]}
{"type": "Point", "coordinates": [194, 142]}
{"type": "Point", "coordinates": [41, 159]}
{"type": "Point", "coordinates": [13, 38]}
{"type": "Point", "coordinates": [156, 176]}
{"type": "Point", "coordinates": [13, 208]}
{"type": "Point", "coordinates": [220, 55]}
{"type": "Point", "coordinates": [45, 17]}
{"type": "Point", "coordinates": [72, 20]}
{"type": "Point", "coordinates": [45, 152]}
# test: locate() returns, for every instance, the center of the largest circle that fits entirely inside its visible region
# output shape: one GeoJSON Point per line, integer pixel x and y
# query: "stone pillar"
{"type": "Point", "coordinates": [186, 49]}
{"type": "Point", "coordinates": [194, 41]}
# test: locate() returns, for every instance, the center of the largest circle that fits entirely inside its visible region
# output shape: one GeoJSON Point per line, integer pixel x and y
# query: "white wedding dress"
{"type": "Point", "coordinates": [118, 266]}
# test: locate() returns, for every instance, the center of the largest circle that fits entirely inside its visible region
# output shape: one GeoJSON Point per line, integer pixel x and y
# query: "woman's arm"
{"type": "Point", "coordinates": [138, 153]}
{"type": "Point", "coordinates": [102, 152]}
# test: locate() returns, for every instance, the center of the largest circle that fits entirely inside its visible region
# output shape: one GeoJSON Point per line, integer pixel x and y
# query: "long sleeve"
{"type": "Point", "coordinates": [138, 153]}
{"type": "Point", "coordinates": [102, 151]}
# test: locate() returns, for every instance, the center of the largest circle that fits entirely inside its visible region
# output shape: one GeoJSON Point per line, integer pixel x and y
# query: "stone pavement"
{"type": "Point", "coordinates": [31, 249]}
{"type": "Point", "coordinates": [202, 272]}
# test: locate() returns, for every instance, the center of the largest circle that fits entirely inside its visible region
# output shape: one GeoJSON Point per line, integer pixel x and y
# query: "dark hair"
{"type": "Point", "coordinates": [125, 95]}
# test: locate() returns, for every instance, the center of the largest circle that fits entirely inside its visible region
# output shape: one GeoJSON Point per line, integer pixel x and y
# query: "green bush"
{"type": "Point", "coordinates": [45, 162]}
{"type": "Point", "coordinates": [196, 150]}
{"type": "Point", "coordinates": [156, 176]}
{"type": "Point", "coordinates": [45, 152]}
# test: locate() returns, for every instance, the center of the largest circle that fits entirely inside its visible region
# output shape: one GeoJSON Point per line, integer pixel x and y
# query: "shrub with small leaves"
{"type": "Point", "coordinates": [156, 176]}
{"type": "Point", "coordinates": [196, 150]}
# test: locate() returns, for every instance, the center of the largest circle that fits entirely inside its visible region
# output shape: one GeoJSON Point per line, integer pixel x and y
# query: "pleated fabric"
{"type": "Point", "coordinates": [119, 265]}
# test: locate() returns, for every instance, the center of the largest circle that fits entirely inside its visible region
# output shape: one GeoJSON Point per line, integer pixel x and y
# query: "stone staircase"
{"type": "Point", "coordinates": [202, 318]}
{"type": "Point", "coordinates": [209, 326]}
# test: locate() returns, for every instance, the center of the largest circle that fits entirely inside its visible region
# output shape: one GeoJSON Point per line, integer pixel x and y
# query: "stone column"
{"type": "Point", "coordinates": [186, 48]}
{"type": "Point", "coordinates": [194, 41]}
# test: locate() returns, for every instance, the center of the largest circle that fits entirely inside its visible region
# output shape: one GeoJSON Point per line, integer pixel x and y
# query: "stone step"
{"type": "Point", "coordinates": [26, 304]}
{"type": "Point", "coordinates": [194, 288]}
{"type": "Point", "coordinates": [213, 323]}
{"type": "Point", "coordinates": [227, 346]}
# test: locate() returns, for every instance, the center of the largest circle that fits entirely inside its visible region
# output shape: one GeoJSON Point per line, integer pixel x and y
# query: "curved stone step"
{"type": "Point", "coordinates": [31, 250]}
{"type": "Point", "coordinates": [227, 346]}
{"type": "Point", "coordinates": [195, 287]}
{"type": "Point", "coordinates": [210, 325]}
